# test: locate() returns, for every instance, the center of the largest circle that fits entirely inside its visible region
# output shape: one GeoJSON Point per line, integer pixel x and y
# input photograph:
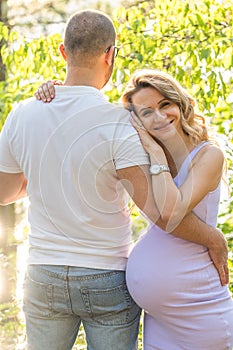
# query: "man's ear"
{"type": "Point", "coordinates": [109, 55]}
{"type": "Point", "coordinates": [62, 51]}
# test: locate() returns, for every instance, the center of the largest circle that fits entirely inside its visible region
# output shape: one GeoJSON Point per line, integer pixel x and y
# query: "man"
{"type": "Point", "coordinates": [79, 154]}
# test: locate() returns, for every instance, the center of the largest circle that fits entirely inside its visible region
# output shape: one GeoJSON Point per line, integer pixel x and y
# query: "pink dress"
{"type": "Point", "coordinates": [177, 285]}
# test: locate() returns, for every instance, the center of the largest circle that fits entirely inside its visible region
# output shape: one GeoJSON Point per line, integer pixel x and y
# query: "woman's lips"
{"type": "Point", "coordinates": [163, 126]}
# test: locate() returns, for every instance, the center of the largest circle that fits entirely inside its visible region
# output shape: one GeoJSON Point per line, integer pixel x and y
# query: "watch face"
{"type": "Point", "coordinates": [155, 169]}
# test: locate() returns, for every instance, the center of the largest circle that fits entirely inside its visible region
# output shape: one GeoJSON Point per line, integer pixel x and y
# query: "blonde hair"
{"type": "Point", "coordinates": [192, 123]}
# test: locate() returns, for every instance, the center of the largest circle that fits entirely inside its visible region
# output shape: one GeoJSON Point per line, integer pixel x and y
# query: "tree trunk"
{"type": "Point", "coordinates": [3, 18]}
{"type": "Point", "coordinates": [7, 216]}
{"type": "Point", "coordinates": [7, 253]}
{"type": "Point", "coordinates": [3, 10]}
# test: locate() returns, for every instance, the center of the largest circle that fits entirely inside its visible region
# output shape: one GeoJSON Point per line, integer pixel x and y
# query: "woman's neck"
{"type": "Point", "coordinates": [176, 150]}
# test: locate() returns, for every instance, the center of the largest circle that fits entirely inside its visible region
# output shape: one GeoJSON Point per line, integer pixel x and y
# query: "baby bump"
{"type": "Point", "coordinates": [164, 271]}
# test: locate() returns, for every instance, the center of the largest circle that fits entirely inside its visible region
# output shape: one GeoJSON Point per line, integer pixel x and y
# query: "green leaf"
{"type": "Point", "coordinates": [200, 20]}
{"type": "Point", "coordinates": [228, 58]}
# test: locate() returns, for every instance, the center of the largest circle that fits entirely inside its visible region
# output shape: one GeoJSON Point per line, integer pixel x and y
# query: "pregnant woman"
{"type": "Point", "coordinates": [173, 280]}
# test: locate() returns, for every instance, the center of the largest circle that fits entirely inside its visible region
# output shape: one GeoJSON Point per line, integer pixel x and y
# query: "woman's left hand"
{"type": "Point", "coordinates": [149, 144]}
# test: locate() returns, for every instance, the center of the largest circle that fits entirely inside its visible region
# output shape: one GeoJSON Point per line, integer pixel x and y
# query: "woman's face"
{"type": "Point", "coordinates": [160, 116]}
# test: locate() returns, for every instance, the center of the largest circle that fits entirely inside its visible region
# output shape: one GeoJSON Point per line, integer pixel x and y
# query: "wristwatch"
{"type": "Point", "coordinates": [156, 169]}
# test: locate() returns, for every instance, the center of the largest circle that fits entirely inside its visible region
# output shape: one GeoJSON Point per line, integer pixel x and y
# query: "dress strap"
{"type": "Point", "coordinates": [196, 150]}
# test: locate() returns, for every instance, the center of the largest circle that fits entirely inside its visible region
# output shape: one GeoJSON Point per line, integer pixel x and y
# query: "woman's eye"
{"type": "Point", "coordinates": [146, 113]}
{"type": "Point", "coordinates": [165, 104]}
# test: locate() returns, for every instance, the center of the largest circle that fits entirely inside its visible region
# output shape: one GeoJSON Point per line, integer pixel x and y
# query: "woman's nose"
{"type": "Point", "coordinates": [159, 115]}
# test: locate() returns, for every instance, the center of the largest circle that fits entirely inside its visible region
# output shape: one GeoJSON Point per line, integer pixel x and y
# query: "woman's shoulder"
{"type": "Point", "coordinates": [208, 165]}
{"type": "Point", "coordinates": [210, 152]}
{"type": "Point", "coordinates": [211, 158]}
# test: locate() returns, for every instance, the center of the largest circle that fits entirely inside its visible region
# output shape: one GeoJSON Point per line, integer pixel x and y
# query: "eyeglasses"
{"type": "Point", "coordinates": [116, 50]}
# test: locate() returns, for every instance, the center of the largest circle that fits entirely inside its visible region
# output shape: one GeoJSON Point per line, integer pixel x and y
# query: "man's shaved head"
{"type": "Point", "coordinates": [87, 35]}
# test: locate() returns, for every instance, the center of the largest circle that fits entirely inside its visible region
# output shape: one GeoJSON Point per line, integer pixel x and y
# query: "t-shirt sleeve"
{"type": "Point", "coordinates": [128, 150]}
{"type": "Point", "coordinates": [8, 162]}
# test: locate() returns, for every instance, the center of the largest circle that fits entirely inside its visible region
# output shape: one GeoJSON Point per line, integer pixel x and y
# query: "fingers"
{"type": "Point", "coordinates": [226, 270]}
{"type": "Point", "coordinates": [219, 256]}
{"type": "Point", "coordinates": [224, 274]}
{"type": "Point", "coordinates": [46, 91]}
{"type": "Point", "coordinates": [221, 273]}
{"type": "Point", "coordinates": [136, 122]}
{"type": "Point", "coordinates": [57, 82]}
{"type": "Point", "coordinates": [37, 95]}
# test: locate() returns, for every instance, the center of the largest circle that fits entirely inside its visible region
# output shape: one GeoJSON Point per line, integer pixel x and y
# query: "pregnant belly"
{"type": "Point", "coordinates": [165, 273]}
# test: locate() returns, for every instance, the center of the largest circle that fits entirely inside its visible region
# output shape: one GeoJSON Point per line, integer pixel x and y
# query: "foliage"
{"type": "Point", "coordinates": [11, 327]}
{"type": "Point", "coordinates": [191, 40]}
{"type": "Point", "coordinates": [27, 65]}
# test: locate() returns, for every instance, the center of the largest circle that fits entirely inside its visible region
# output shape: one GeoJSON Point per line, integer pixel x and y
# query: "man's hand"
{"type": "Point", "coordinates": [218, 252]}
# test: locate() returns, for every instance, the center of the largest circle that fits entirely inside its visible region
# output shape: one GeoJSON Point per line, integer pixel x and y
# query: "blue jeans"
{"type": "Point", "coordinates": [58, 298]}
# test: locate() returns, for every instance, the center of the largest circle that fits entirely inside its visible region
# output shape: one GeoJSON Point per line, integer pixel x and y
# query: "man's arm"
{"type": "Point", "coordinates": [12, 187]}
{"type": "Point", "coordinates": [137, 182]}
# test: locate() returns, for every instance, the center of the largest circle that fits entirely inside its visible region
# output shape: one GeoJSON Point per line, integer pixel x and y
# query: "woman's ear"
{"type": "Point", "coordinates": [62, 51]}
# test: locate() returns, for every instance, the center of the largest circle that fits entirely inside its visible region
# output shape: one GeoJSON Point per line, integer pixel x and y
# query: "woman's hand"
{"type": "Point", "coordinates": [148, 142]}
{"type": "Point", "coordinates": [46, 92]}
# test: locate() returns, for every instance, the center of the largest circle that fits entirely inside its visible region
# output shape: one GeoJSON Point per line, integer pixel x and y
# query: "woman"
{"type": "Point", "coordinates": [173, 280]}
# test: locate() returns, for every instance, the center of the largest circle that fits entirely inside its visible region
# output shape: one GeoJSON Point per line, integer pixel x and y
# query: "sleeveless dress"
{"type": "Point", "coordinates": [177, 285]}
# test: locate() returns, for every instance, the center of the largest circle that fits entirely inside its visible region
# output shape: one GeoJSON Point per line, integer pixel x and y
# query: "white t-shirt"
{"type": "Point", "coordinates": [69, 151]}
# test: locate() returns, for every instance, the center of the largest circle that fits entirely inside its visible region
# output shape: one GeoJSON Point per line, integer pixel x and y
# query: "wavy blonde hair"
{"type": "Point", "coordinates": [192, 123]}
